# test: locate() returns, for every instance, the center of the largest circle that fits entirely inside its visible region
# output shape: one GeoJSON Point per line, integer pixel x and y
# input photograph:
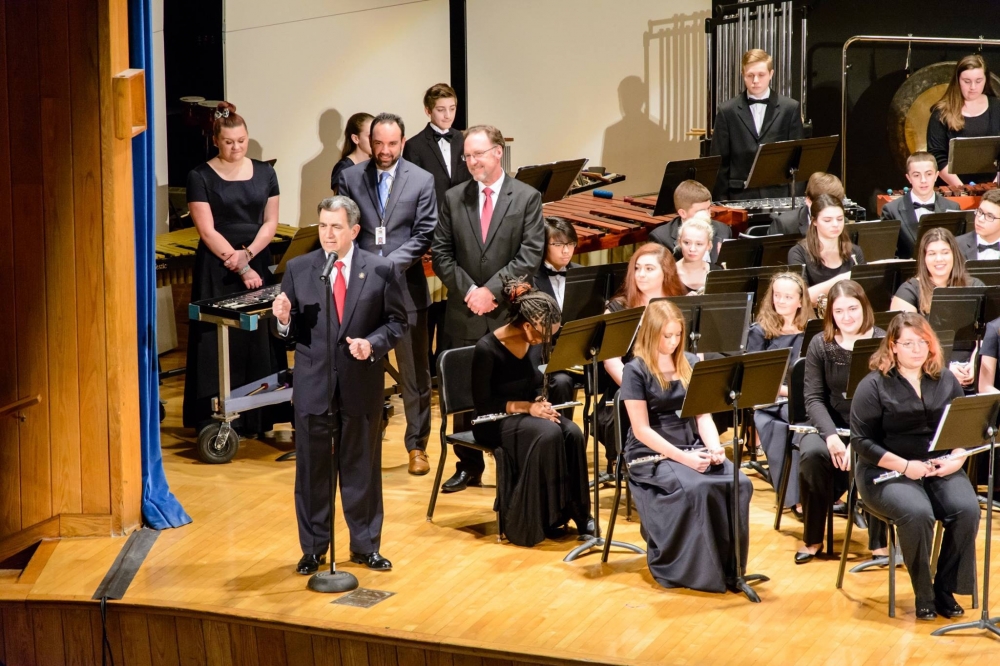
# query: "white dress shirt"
{"type": "Point", "coordinates": [444, 143]}
{"type": "Point", "coordinates": [346, 269]}
{"type": "Point", "coordinates": [920, 212]}
{"type": "Point", "coordinates": [758, 110]}
{"type": "Point", "coordinates": [558, 283]}
{"type": "Point", "coordinates": [985, 254]}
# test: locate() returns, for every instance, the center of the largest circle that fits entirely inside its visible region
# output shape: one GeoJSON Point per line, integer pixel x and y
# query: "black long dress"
{"type": "Point", "coordinates": [238, 213]}
{"type": "Point", "coordinates": [544, 464]}
{"type": "Point", "coordinates": [685, 513]}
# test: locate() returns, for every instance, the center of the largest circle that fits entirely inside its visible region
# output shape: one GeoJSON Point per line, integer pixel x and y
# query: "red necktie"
{"type": "Point", "coordinates": [339, 290]}
{"type": "Point", "coordinates": [487, 215]}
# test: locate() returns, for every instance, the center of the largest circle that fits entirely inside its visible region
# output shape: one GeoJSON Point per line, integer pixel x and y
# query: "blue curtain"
{"type": "Point", "coordinates": [160, 509]}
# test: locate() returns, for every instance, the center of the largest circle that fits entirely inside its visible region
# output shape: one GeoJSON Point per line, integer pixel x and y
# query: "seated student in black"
{"type": "Point", "coordinates": [939, 264]}
{"type": "Point", "coordinates": [541, 453]}
{"type": "Point", "coordinates": [894, 415]}
{"type": "Point", "coordinates": [560, 243]}
{"type": "Point", "coordinates": [695, 243]}
{"type": "Point", "coordinates": [684, 500]}
{"type": "Point", "coordinates": [827, 251]}
{"type": "Point", "coordinates": [824, 457]}
{"type": "Point", "coordinates": [781, 320]}
{"type": "Point", "coordinates": [796, 220]}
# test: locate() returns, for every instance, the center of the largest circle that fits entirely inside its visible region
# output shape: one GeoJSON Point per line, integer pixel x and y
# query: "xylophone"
{"type": "Point", "coordinates": [967, 197]}
{"type": "Point", "coordinates": [175, 253]}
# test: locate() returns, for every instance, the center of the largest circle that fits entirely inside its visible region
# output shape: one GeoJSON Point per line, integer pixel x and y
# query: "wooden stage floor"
{"type": "Point", "coordinates": [454, 585]}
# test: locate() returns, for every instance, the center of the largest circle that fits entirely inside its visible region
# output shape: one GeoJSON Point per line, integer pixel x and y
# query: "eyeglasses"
{"type": "Point", "coordinates": [911, 345]}
{"type": "Point", "coordinates": [559, 246]}
{"type": "Point", "coordinates": [989, 217]}
{"type": "Point", "coordinates": [478, 156]}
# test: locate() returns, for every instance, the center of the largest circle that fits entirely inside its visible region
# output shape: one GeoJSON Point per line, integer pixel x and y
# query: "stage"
{"type": "Point", "coordinates": [223, 589]}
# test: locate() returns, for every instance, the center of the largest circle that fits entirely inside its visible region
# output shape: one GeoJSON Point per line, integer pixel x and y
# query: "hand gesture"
{"type": "Point", "coordinates": [838, 452]}
{"type": "Point", "coordinates": [360, 348]}
{"type": "Point", "coordinates": [698, 460]}
{"type": "Point", "coordinates": [480, 301]}
{"type": "Point", "coordinates": [543, 410]}
{"type": "Point", "coordinates": [963, 373]}
{"type": "Point", "coordinates": [917, 469]}
{"type": "Point", "coordinates": [946, 467]}
{"type": "Point", "coordinates": [234, 260]}
{"type": "Point", "coordinates": [281, 308]}
{"type": "Point", "coordinates": [717, 456]}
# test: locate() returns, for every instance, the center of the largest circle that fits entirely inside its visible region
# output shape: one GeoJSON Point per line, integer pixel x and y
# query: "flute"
{"type": "Point", "coordinates": [489, 418]}
{"type": "Point", "coordinates": [888, 476]}
{"type": "Point", "coordinates": [647, 459]}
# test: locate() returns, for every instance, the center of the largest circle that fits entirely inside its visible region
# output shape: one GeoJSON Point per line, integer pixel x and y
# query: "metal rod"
{"type": "Point", "coordinates": [803, 85]}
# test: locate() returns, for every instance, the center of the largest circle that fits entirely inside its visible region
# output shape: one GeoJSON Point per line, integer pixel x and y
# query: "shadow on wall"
{"type": "Point", "coordinates": [255, 150]}
{"type": "Point", "coordinates": [314, 186]}
{"type": "Point", "coordinates": [659, 108]}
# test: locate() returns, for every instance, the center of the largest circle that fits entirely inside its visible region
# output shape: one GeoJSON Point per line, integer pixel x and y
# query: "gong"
{"type": "Point", "coordinates": [911, 106]}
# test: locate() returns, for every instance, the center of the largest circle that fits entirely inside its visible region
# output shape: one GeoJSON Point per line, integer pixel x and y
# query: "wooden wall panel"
{"type": "Point", "coordinates": [18, 636]}
{"type": "Point", "coordinates": [78, 635]}
{"type": "Point", "coordinates": [135, 639]}
{"type": "Point", "coordinates": [48, 631]}
{"type": "Point", "coordinates": [163, 641]}
{"type": "Point", "coordinates": [191, 642]}
{"type": "Point", "coordinates": [271, 647]}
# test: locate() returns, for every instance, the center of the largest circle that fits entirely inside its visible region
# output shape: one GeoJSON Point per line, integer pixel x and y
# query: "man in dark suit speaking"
{"type": "Point", "coordinates": [398, 215]}
{"type": "Point", "coordinates": [756, 116]}
{"type": "Point", "coordinates": [488, 227]}
{"type": "Point", "coordinates": [367, 319]}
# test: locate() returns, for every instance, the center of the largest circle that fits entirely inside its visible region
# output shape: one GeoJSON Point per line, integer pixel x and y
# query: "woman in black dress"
{"type": "Point", "coordinates": [694, 241]}
{"type": "Point", "coordinates": [827, 251]}
{"type": "Point", "coordinates": [542, 453]}
{"type": "Point", "coordinates": [780, 324]}
{"type": "Point", "coordinates": [824, 458]}
{"type": "Point", "coordinates": [357, 145]}
{"type": "Point", "coordinates": [969, 108]}
{"type": "Point", "coordinates": [683, 501]}
{"type": "Point", "coordinates": [894, 415]}
{"type": "Point", "coordinates": [234, 205]}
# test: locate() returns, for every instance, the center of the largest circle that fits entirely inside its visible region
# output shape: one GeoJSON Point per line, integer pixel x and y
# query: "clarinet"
{"type": "Point", "coordinates": [888, 476]}
{"type": "Point", "coordinates": [490, 418]}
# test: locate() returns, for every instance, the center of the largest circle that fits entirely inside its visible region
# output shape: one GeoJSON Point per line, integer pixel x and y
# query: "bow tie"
{"type": "Point", "coordinates": [438, 136]}
{"type": "Point", "coordinates": [991, 246]}
{"type": "Point", "coordinates": [925, 206]}
{"type": "Point", "coordinates": [551, 272]}
{"type": "Point", "coordinates": [753, 101]}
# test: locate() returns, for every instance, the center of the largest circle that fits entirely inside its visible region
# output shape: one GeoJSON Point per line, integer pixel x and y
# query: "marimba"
{"type": "Point", "coordinates": [967, 197]}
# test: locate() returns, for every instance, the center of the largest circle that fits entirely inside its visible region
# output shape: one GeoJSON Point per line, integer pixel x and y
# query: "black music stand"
{"type": "Point", "coordinates": [785, 162]}
{"type": "Point", "coordinates": [740, 280]}
{"type": "Point", "coordinates": [979, 421]}
{"type": "Point", "coordinates": [955, 221]}
{"type": "Point", "coordinates": [813, 328]}
{"type": "Point", "coordinates": [716, 323]}
{"type": "Point", "coordinates": [961, 309]}
{"type": "Point", "coordinates": [883, 319]}
{"type": "Point", "coordinates": [987, 270]}
{"type": "Point", "coordinates": [974, 154]}
{"type": "Point", "coordinates": [704, 170]}
{"type": "Point", "coordinates": [880, 281]}
{"type": "Point", "coordinates": [722, 385]}
{"type": "Point", "coordinates": [589, 288]}
{"type": "Point", "coordinates": [588, 342]}
{"type": "Point", "coordinates": [877, 240]}
{"type": "Point", "coordinates": [860, 357]}
{"type": "Point", "coordinates": [553, 180]}
{"type": "Point", "coordinates": [754, 251]}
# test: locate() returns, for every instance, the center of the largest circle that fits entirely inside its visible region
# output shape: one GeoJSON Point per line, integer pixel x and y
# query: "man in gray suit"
{"type": "Point", "coordinates": [366, 320]}
{"type": "Point", "coordinates": [489, 227]}
{"type": "Point", "coordinates": [922, 172]}
{"type": "Point", "coordinates": [398, 215]}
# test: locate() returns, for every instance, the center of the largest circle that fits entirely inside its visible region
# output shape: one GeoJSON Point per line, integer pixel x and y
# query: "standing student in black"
{"type": "Point", "coordinates": [894, 415]}
{"type": "Point", "coordinates": [824, 457]}
{"type": "Point", "coordinates": [756, 116]}
{"type": "Point", "coordinates": [357, 145]}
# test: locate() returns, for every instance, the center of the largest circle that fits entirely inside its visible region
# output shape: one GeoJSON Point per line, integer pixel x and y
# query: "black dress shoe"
{"type": "Point", "coordinates": [840, 508]}
{"type": "Point", "coordinates": [795, 512]}
{"type": "Point", "coordinates": [373, 561]}
{"type": "Point", "coordinates": [461, 481]}
{"type": "Point", "coordinates": [586, 530]}
{"type": "Point", "coordinates": [309, 564]}
{"type": "Point", "coordinates": [926, 614]}
{"type": "Point", "coordinates": [803, 556]}
{"type": "Point", "coordinates": [947, 606]}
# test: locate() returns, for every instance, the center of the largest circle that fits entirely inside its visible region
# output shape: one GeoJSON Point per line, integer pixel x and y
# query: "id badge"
{"type": "Point", "coordinates": [380, 235]}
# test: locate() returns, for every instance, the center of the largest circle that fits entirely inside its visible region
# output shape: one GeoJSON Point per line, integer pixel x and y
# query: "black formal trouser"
{"type": "Point", "coordinates": [915, 506]}
{"type": "Point", "coordinates": [820, 483]}
{"type": "Point", "coordinates": [415, 380]}
{"type": "Point", "coordinates": [360, 441]}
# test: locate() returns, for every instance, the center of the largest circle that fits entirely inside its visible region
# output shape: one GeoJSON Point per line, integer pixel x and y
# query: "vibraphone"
{"type": "Point", "coordinates": [967, 197]}
{"type": "Point", "coordinates": [175, 253]}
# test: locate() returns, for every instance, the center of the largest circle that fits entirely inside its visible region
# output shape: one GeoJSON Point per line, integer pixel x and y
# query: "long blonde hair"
{"type": "Point", "coordinates": [768, 317]}
{"type": "Point", "coordinates": [647, 345]}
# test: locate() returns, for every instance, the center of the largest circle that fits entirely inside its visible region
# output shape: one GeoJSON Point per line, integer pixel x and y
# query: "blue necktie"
{"type": "Point", "coordinates": [383, 191]}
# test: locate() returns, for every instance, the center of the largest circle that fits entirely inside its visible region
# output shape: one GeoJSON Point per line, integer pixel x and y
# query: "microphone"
{"type": "Point", "coordinates": [324, 275]}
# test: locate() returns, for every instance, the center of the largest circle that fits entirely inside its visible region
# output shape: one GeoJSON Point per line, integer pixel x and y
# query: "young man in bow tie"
{"type": "Point", "coordinates": [984, 242]}
{"type": "Point", "coordinates": [756, 116]}
{"type": "Point", "coordinates": [438, 148]}
{"type": "Point", "coordinates": [922, 172]}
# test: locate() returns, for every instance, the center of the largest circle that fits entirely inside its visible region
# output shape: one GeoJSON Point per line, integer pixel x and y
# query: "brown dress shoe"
{"type": "Point", "coordinates": [418, 463]}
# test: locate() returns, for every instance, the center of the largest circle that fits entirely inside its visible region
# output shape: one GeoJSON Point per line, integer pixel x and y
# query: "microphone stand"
{"type": "Point", "coordinates": [331, 581]}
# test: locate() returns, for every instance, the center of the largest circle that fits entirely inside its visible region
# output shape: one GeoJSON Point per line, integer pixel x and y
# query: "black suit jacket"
{"type": "Point", "coordinates": [969, 246]}
{"type": "Point", "coordinates": [542, 281]}
{"type": "Point", "coordinates": [410, 218]}
{"type": "Point", "coordinates": [902, 209]}
{"type": "Point", "coordinates": [423, 150]}
{"type": "Point", "coordinates": [514, 247]}
{"type": "Point", "coordinates": [373, 310]}
{"type": "Point", "coordinates": [735, 138]}
{"type": "Point", "coordinates": [790, 222]}
{"type": "Point", "coordinates": [666, 234]}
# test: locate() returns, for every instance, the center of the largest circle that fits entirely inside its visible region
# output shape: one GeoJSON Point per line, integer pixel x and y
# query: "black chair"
{"type": "Point", "coordinates": [757, 230]}
{"type": "Point", "coordinates": [622, 426]}
{"type": "Point", "coordinates": [454, 368]}
{"type": "Point", "coordinates": [797, 423]}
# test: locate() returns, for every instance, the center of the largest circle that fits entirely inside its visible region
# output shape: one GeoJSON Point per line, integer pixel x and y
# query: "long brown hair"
{"type": "Point", "coordinates": [647, 343]}
{"type": "Point", "coordinates": [949, 107]}
{"type": "Point", "coordinates": [629, 294]}
{"type": "Point", "coordinates": [959, 275]}
{"type": "Point", "coordinates": [812, 242]}
{"type": "Point", "coordinates": [353, 127]}
{"type": "Point", "coordinates": [768, 317]}
{"type": "Point", "coordinates": [846, 289]}
{"type": "Point", "coordinates": [884, 359]}
{"type": "Point", "coordinates": [226, 118]}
